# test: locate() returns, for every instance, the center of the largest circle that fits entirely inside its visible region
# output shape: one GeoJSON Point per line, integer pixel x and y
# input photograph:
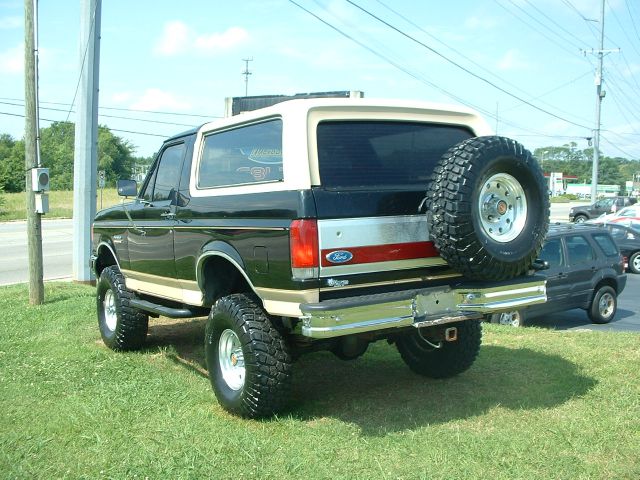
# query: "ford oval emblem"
{"type": "Point", "coordinates": [339, 256]}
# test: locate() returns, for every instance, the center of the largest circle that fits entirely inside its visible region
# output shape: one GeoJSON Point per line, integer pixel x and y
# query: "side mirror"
{"type": "Point", "coordinates": [127, 188]}
{"type": "Point", "coordinates": [540, 264]}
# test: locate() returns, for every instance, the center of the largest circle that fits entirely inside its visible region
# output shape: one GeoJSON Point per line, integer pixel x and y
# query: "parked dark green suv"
{"type": "Point", "coordinates": [586, 270]}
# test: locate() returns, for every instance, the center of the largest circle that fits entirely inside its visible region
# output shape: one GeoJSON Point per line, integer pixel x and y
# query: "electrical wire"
{"type": "Point", "coordinates": [111, 129]}
{"type": "Point", "coordinates": [473, 74]}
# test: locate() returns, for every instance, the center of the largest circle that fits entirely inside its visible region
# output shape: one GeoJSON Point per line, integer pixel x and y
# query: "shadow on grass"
{"type": "Point", "coordinates": [379, 394]}
{"type": "Point", "coordinates": [185, 339]}
{"type": "Point", "coordinates": [382, 395]}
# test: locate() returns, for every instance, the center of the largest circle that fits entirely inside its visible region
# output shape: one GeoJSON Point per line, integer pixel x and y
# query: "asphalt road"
{"type": "Point", "coordinates": [56, 251]}
{"type": "Point", "coordinates": [57, 242]}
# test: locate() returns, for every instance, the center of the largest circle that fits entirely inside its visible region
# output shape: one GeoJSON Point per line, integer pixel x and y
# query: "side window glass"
{"type": "Point", "coordinates": [552, 253]}
{"type": "Point", "coordinates": [244, 155]}
{"type": "Point", "coordinates": [147, 194]}
{"type": "Point", "coordinates": [167, 175]}
{"type": "Point", "coordinates": [617, 233]}
{"type": "Point", "coordinates": [579, 249]}
{"type": "Point", "coordinates": [605, 242]}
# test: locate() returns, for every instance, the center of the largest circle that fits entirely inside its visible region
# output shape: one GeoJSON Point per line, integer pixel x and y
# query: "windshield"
{"type": "Point", "coordinates": [382, 153]}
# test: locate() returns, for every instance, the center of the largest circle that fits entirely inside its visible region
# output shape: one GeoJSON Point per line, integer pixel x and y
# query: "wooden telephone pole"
{"type": "Point", "coordinates": [31, 157]}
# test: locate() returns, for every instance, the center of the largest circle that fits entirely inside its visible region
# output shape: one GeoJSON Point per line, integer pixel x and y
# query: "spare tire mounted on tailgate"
{"type": "Point", "coordinates": [487, 208]}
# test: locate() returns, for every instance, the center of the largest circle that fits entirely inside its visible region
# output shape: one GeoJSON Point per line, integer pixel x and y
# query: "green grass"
{"type": "Point", "coordinates": [536, 404]}
{"type": "Point", "coordinates": [60, 204]}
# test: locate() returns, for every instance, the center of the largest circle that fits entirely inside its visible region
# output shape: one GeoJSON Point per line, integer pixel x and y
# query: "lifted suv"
{"type": "Point", "coordinates": [586, 270]}
{"type": "Point", "coordinates": [305, 226]}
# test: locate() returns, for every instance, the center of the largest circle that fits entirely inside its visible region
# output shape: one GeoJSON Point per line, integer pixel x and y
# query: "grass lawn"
{"type": "Point", "coordinates": [60, 204]}
{"type": "Point", "coordinates": [536, 404]}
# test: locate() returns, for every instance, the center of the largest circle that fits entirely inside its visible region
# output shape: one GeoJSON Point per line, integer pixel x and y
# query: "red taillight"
{"type": "Point", "coordinates": [304, 248]}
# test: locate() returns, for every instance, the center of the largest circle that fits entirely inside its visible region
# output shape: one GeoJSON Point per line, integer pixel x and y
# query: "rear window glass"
{"type": "Point", "coordinates": [606, 244]}
{"type": "Point", "coordinates": [381, 153]}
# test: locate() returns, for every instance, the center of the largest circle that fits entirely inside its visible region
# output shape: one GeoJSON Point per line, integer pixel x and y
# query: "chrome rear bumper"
{"type": "Point", "coordinates": [418, 308]}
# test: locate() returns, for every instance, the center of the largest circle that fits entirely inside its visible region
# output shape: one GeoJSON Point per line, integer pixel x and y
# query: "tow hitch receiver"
{"type": "Point", "coordinates": [451, 334]}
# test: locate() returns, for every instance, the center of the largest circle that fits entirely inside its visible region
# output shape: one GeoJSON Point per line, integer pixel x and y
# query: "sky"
{"type": "Point", "coordinates": [526, 65]}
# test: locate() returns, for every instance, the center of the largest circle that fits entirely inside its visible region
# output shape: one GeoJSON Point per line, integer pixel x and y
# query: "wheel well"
{"type": "Point", "coordinates": [610, 282]}
{"type": "Point", "coordinates": [105, 259]}
{"type": "Point", "coordinates": [219, 277]}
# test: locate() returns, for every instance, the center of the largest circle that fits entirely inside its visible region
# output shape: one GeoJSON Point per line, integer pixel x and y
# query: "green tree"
{"type": "Point", "coordinates": [12, 176]}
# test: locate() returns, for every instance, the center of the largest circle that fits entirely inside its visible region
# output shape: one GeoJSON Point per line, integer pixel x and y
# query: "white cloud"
{"type": "Point", "coordinates": [7, 23]}
{"type": "Point", "coordinates": [12, 60]}
{"type": "Point", "coordinates": [156, 99]}
{"type": "Point", "coordinates": [178, 38]}
{"type": "Point", "coordinates": [174, 40]}
{"type": "Point", "coordinates": [215, 42]}
{"type": "Point", "coordinates": [512, 60]}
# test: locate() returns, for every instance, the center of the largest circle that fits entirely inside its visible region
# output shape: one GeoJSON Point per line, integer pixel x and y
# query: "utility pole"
{"type": "Point", "coordinates": [600, 94]}
{"type": "Point", "coordinates": [85, 163]}
{"type": "Point", "coordinates": [32, 154]}
{"type": "Point", "coordinates": [246, 74]}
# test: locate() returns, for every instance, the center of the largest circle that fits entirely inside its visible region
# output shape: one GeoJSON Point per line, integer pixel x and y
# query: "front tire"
{"type": "Point", "coordinates": [248, 359]}
{"type": "Point", "coordinates": [604, 305]}
{"type": "Point", "coordinates": [579, 219]}
{"type": "Point", "coordinates": [450, 359]}
{"type": "Point", "coordinates": [488, 208]}
{"type": "Point", "coordinates": [122, 326]}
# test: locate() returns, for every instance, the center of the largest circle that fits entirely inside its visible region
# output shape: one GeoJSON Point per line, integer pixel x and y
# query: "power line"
{"type": "Point", "coordinates": [109, 116]}
{"type": "Point", "coordinates": [475, 75]}
{"type": "Point", "coordinates": [553, 21]}
{"type": "Point", "coordinates": [633, 23]}
{"type": "Point", "coordinates": [433, 37]}
{"type": "Point", "coordinates": [125, 109]}
{"type": "Point", "coordinates": [66, 121]}
{"type": "Point", "coordinates": [543, 34]}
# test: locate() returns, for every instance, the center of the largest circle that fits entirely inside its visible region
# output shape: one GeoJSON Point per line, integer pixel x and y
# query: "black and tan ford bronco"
{"type": "Point", "coordinates": [324, 224]}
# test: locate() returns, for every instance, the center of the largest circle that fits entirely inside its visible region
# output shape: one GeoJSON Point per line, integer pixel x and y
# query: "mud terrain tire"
{"type": "Point", "coordinates": [488, 208]}
{"type": "Point", "coordinates": [450, 359]}
{"type": "Point", "coordinates": [248, 359]}
{"type": "Point", "coordinates": [122, 326]}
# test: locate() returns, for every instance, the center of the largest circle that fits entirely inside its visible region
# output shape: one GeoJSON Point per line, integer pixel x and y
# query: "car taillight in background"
{"type": "Point", "coordinates": [305, 253]}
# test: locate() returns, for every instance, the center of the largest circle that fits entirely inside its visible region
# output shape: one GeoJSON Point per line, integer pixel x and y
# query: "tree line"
{"type": "Point", "coordinates": [115, 156]}
{"type": "Point", "coordinates": [570, 160]}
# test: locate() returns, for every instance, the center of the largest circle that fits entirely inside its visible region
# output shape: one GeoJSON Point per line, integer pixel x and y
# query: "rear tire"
{"type": "Point", "coordinates": [515, 318]}
{"type": "Point", "coordinates": [447, 361]}
{"type": "Point", "coordinates": [488, 208]}
{"type": "Point", "coordinates": [122, 326]}
{"type": "Point", "coordinates": [604, 305]}
{"type": "Point", "coordinates": [634, 263]}
{"type": "Point", "coordinates": [248, 359]}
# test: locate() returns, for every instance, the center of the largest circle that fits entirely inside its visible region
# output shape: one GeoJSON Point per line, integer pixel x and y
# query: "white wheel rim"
{"type": "Point", "coordinates": [636, 262]}
{"type": "Point", "coordinates": [605, 305]}
{"type": "Point", "coordinates": [510, 318]}
{"type": "Point", "coordinates": [502, 207]}
{"type": "Point", "coordinates": [109, 310]}
{"type": "Point", "coordinates": [231, 359]}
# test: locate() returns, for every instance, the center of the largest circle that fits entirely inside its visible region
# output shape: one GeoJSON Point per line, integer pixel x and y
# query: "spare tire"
{"type": "Point", "coordinates": [487, 208]}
